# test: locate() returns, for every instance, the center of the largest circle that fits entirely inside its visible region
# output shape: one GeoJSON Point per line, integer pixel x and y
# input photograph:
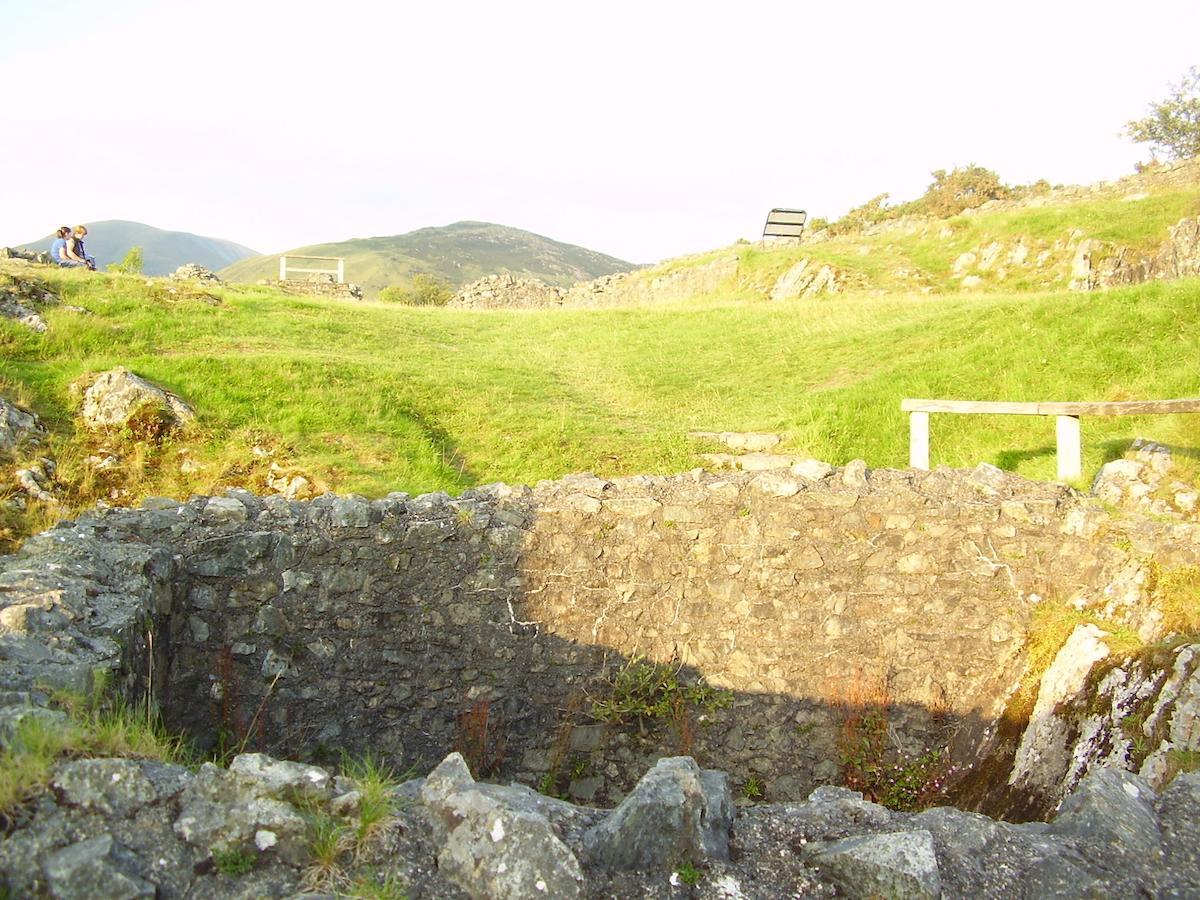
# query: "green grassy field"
{"type": "Point", "coordinates": [372, 398]}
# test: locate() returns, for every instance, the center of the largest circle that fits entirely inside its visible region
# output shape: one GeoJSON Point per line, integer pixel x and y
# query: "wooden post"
{"type": "Point", "coordinates": [1070, 448]}
{"type": "Point", "coordinates": [283, 268]}
{"type": "Point", "coordinates": [341, 271]}
{"type": "Point", "coordinates": [918, 440]}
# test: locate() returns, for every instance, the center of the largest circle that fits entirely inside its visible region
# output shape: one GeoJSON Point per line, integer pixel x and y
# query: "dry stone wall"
{"type": "Point", "coordinates": [507, 291]}
{"type": "Point", "coordinates": [408, 625]}
{"type": "Point", "coordinates": [656, 286]}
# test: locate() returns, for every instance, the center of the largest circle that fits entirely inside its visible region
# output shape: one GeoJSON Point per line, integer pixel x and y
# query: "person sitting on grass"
{"type": "Point", "coordinates": [75, 248]}
{"type": "Point", "coordinates": [58, 249]}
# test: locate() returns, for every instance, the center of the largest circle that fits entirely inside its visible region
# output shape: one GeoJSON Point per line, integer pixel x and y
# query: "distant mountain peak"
{"type": "Point", "coordinates": [459, 253]}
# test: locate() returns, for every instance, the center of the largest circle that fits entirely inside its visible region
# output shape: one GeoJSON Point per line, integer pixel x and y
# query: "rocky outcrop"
{"type": "Point", "coordinates": [18, 427]}
{"type": "Point", "coordinates": [1098, 265]}
{"type": "Point", "coordinates": [114, 398]}
{"type": "Point", "coordinates": [806, 279]}
{"type": "Point", "coordinates": [37, 256]}
{"type": "Point", "coordinates": [506, 291]}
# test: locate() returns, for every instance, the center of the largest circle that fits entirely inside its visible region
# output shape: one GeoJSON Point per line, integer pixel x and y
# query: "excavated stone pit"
{"type": "Point", "coordinates": [494, 622]}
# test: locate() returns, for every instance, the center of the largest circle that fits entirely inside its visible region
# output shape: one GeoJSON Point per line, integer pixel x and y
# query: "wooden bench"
{"type": "Point", "coordinates": [785, 223]}
{"type": "Point", "coordinates": [1069, 442]}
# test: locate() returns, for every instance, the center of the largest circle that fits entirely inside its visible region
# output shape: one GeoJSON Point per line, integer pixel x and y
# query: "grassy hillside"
{"type": "Point", "coordinates": [458, 253]}
{"type": "Point", "coordinates": [163, 251]}
{"type": "Point", "coordinates": [371, 398]}
{"type": "Point", "coordinates": [1032, 242]}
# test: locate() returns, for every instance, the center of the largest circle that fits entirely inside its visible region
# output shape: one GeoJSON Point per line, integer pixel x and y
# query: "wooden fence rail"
{"type": "Point", "coordinates": [339, 272]}
{"type": "Point", "coordinates": [1069, 440]}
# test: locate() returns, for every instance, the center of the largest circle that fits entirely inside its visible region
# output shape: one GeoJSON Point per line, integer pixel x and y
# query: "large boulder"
{"type": "Point", "coordinates": [896, 865]}
{"type": "Point", "coordinates": [676, 814]}
{"type": "Point", "coordinates": [95, 869]}
{"type": "Point", "coordinates": [496, 842]}
{"type": "Point", "coordinates": [225, 811]}
{"type": "Point", "coordinates": [118, 396]}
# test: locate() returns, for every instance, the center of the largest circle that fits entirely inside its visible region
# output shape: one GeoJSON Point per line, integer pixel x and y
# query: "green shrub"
{"type": "Point", "coordinates": [420, 290]}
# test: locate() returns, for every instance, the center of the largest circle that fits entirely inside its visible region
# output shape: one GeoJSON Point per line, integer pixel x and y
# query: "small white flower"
{"type": "Point", "coordinates": [541, 885]}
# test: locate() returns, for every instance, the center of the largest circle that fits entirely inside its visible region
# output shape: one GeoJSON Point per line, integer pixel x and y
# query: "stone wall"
{"type": "Point", "coordinates": [506, 291]}
{"type": "Point", "coordinates": [402, 624]}
{"type": "Point", "coordinates": [662, 284]}
{"type": "Point", "coordinates": [318, 286]}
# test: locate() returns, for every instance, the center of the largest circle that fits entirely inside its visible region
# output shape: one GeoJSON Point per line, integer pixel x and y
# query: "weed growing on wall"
{"type": "Point", "coordinates": [1176, 594]}
{"type": "Point", "coordinates": [234, 861]}
{"type": "Point", "coordinates": [642, 692]}
{"type": "Point", "coordinates": [101, 724]}
{"type": "Point", "coordinates": [884, 774]}
{"type": "Point", "coordinates": [340, 841]}
{"type": "Point", "coordinates": [651, 695]}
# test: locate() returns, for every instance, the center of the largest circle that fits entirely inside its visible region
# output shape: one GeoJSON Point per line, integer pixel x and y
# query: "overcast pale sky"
{"type": "Point", "coordinates": [641, 129]}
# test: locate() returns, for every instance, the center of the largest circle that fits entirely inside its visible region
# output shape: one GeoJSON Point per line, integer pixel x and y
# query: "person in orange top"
{"type": "Point", "coordinates": [75, 249]}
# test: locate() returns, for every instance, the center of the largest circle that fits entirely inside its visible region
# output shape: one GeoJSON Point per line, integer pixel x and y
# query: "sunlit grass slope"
{"type": "Point", "coordinates": [919, 255]}
{"type": "Point", "coordinates": [374, 398]}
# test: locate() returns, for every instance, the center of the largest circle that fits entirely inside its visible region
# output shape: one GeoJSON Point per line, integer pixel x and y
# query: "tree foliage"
{"type": "Point", "coordinates": [1173, 125]}
{"type": "Point", "coordinates": [420, 290]}
{"type": "Point", "coordinates": [131, 264]}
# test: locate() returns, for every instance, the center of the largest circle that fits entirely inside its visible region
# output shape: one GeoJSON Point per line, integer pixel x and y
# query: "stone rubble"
{"type": "Point", "coordinates": [195, 272]}
{"type": "Point", "coordinates": [138, 828]}
{"type": "Point", "coordinates": [18, 427]}
{"type": "Point", "coordinates": [37, 480]}
{"type": "Point", "coordinates": [20, 299]}
{"type": "Point", "coordinates": [1144, 480]}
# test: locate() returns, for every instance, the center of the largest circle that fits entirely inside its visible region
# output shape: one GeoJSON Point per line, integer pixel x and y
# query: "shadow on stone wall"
{"type": "Point", "coordinates": [496, 623]}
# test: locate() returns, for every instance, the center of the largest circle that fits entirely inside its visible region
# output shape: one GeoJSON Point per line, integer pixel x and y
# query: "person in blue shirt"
{"type": "Point", "coordinates": [58, 249]}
